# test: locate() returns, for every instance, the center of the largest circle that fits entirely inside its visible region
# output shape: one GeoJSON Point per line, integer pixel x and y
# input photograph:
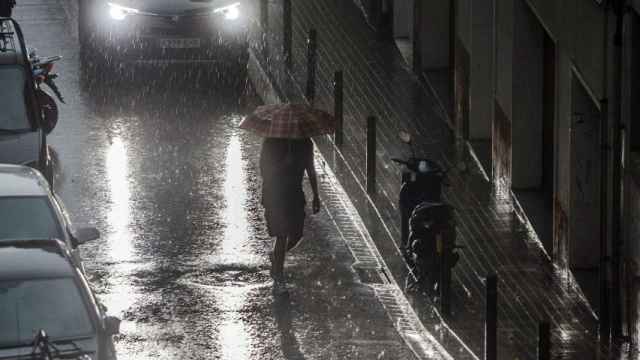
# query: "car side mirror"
{"type": "Point", "coordinates": [84, 235]}
{"type": "Point", "coordinates": [112, 325]}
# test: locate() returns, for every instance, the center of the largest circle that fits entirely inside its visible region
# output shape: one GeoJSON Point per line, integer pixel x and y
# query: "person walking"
{"type": "Point", "coordinates": [283, 163]}
{"type": "Point", "coordinates": [287, 153]}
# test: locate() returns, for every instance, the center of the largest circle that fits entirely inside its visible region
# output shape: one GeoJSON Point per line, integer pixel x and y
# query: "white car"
{"type": "Point", "coordinates": [29, 210]}
{"type": "Point", "coordinates": [45, 300]}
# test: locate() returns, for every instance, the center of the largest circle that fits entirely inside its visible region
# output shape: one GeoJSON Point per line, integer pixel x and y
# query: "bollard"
{"type": "Point", "coordinates": [338, 92]}
{"type": "Point", "coordinates": [312, 49]}
{"type": "Point", "coordinates": [544, 341]}
{"type": "Point", "coordinates": [371, 155]}
{"type": "Point", "coordinates": [491, 319]}
{"type": "Point", "coordinates": [444, 282]}
{"type": "Point", "coordinates": [287, 31]}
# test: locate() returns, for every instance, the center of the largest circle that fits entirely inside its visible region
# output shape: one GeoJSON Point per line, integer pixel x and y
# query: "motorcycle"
{"type": "Point", "coordinates": [428, 226]}
{"type": "Point", "coordinates": [42, 69]}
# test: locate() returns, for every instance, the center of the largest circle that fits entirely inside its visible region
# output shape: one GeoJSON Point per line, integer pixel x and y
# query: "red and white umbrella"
{"type": "Point", "coordinates": [290, 121]}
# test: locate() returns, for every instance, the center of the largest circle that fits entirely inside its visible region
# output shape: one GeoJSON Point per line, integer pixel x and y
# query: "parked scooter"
{"type": "Point", "coordinates": [42, 69]}
{"type": "Point", "coordinates": [428, 226]}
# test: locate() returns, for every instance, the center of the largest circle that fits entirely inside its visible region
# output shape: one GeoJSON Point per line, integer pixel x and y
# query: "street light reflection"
{"type": "Point", "coordinates": [237, 236]}
{"type": "Point", "coordinates": [119, 237]}
{"type": "Point", "coordinates": [119, 217]}
{"type": "Point", "coordinates": [234, 336]}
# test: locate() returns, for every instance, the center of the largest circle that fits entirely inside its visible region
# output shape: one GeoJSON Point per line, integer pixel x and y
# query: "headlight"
{"type": "Point", "coordinates": [230, 12]}
{"type": "Point", "coordinates": [119, 12]}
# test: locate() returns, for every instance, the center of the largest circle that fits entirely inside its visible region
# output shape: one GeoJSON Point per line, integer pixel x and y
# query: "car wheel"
{"type": "Point", "coordinates": [49, 110]}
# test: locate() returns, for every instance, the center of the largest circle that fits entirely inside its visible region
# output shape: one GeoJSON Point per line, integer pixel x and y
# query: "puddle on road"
{"type": "Point", "coordinates": [234, 335]}
{"type": "Point", "coordinates": [119, 216]}
{"type": "Point", "coordinates": [120, 249]}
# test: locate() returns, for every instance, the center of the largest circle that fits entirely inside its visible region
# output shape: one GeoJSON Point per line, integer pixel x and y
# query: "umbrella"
{"type": "Point", "coordinates": [290, 121]}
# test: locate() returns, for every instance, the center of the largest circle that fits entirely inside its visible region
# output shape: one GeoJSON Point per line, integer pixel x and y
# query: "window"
{"type": "Point", "coordinates": [12, 99]}
{"type": "Point", "coordinates": [28, 218]}
{"type": "Point", "coordinates": [53, 305]}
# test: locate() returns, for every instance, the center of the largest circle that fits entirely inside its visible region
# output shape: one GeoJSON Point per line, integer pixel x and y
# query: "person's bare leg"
{"type": "Point", "coordinates": [279, 250]}
{"type": "Point", "coordinates": [293, 242]}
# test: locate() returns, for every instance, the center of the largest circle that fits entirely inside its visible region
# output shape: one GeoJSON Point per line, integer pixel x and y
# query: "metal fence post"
{"type": "Point", "coordinates": [491, 319]}
{"type": "Point", "coordinates": [287, 33]}
{"type": "Point", "coordinates": [338, 93]}
{"type": "Point", "coordinates": [544, 341]}
{"type": "Point", "coordinates": [312, 50]}
{"type": "Point", "coordinates": [371, 155]}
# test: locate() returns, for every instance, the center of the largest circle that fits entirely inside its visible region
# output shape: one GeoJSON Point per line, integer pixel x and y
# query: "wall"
{"type": "Point", "coordinates": [502, 126]}
{"type": "Point", "coordinates": [584, 232]}
{"type": "Point", "coordinates": [481, 77]}
{"type": "Point", "coordinates": [633, 230]}
{"type": "Point", "coordinates": [403, 18]}
{"type": "Point", "coordinates": [527, 115]}
{"type": "Point", "coordinates": [435, 34]}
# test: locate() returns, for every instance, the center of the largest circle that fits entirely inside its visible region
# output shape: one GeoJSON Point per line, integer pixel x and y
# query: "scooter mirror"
{"type": "Point", "coordinates": [405, 137]}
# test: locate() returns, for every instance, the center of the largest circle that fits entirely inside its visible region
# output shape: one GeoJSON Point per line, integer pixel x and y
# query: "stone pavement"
{"type": "Point", "coordinates": [378, 82]}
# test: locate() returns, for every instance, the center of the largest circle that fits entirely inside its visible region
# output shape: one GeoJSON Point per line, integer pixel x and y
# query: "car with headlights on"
{"type": "Point", "coordinates": [30, 210]}
{"type": "Point", "coordinates": [42, 291]}
{"type": "Point", "coordinates": [164, 32]}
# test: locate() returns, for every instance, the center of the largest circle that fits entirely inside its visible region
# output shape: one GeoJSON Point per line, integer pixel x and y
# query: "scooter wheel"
{"type": "Point", "coordinates": [49, 111]}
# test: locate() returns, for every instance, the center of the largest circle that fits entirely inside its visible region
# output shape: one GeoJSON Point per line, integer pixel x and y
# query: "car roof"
{"type": "Point", "coordinates": [20, 180]}
{"type": "Point", "coordinates": [34, 259]}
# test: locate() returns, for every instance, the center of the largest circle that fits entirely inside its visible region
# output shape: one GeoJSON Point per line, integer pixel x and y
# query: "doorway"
{"type": "Point", "coordinates": [584, 233]}
{"type": "Point", "coordinates": [403, 22]}
{"type": "Point", "coordinates": [584, 215]}
{"type": "Point", "coordinates": [534, 125]}
{"type": "Point", "coordinates": [423, 32]}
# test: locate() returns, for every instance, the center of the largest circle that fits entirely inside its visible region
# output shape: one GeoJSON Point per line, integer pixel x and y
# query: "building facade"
{"type": "Point", "coordinates": [547, 95]}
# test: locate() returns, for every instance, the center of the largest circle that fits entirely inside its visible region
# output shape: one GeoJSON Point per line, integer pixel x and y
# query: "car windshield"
{"type": "Point", "coordinates": [28, 218]}
{"type": "Point", "coordinates": [12, 100]}
{"type": "Point", "coordinates": [54, 305]}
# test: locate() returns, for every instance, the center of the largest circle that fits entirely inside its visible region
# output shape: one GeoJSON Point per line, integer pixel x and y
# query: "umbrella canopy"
{"type": "Point", "coordinates": [290, 121]}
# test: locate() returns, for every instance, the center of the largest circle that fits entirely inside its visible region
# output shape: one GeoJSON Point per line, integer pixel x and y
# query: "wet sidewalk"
{"type": "Point", "coordinates": [378, 82]}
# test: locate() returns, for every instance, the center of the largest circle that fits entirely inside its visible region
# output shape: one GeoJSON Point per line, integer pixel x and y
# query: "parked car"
{"type": "Point", "coordinates": [30, 210]}
{"type": "Point", "coordinates": [212, 32]}
{"type": "Point", "coordinates": [44, 295]}
{"type": "Point", "coordinates": [23, 132]}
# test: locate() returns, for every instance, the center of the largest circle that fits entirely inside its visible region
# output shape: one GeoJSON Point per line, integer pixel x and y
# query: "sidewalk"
{"type": "Point", "coordinates": [378, 82]}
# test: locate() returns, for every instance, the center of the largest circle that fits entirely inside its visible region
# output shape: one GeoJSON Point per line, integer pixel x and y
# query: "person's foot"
{"type": "Point", "coordinates": [280, 286]}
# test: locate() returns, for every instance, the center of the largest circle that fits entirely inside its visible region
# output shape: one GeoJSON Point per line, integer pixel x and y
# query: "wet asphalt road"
{"type": "Point", "coordinates": [171, 183]}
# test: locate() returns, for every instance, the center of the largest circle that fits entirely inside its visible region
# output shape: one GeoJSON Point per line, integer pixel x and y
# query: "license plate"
{"type": "Point", "coordinates": [180, 43]}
